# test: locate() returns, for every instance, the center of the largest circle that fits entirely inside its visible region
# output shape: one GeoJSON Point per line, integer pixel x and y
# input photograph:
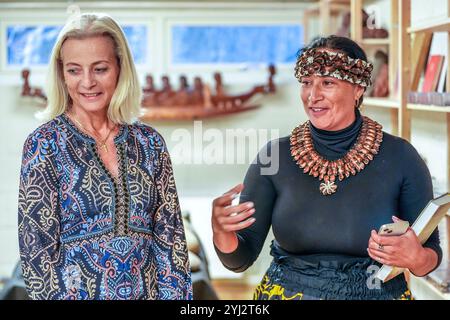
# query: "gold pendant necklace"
{"type": "Point", "coordinates": [366, 147]}
{"type": "Point", "coordinates": [102, 145]}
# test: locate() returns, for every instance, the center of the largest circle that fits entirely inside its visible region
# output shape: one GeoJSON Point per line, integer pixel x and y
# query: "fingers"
{"type": "Point", "coordinates": [410, 233]}
{"type": "Point", "coordinates": [380, 257]}
{"type": "Point", "coordinates": [236, 189]}
{"type": "Point", "coordinates": [234, 215]}
{"type": "Point", "coordinates": [227, 197]}
{"type": "Point", "coordinates": [383, 248]}
{"type": "Point", "coordinates": [239, 217]}
{"type": "Point", "coordinates": [241, 225]}
{"type": "Point", "coordinates": [384, 240]}
{"type": "Point", "coordinates": [376, 238]}
{"type": "Point", "coordinates": [227, 211]}
{"type": "Point", "coordinates": [379, 248]}
{"type": "Point", "coordinates": [224, 200]}
{"type": "Point", "coordinates": [238, 222]}
{"type": "Point", "coordinates": [231, 218]}
{"type": "Point", "coordinates": [232, 210]}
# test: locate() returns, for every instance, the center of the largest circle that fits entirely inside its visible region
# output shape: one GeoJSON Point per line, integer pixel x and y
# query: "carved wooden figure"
{"type": "Point", "coordinates": [199, 101]}
{"type": "Point", "coordinates": [28, 91]}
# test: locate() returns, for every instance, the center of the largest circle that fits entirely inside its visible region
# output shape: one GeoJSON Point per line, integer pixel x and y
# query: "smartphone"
{"type": "Point", "coordinates": [393, 229]}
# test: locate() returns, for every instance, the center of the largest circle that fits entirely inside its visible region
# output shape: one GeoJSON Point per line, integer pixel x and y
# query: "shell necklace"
{"type": "Point", "coordinates": [366, 147]}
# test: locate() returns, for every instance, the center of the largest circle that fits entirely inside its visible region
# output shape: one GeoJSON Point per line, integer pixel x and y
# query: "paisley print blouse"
{"type": "Point", "coordinates": [84, 234]}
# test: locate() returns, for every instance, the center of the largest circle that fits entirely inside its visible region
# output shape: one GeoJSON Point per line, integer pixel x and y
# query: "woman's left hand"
{"type": "Point", "coordinates": [404, 251]}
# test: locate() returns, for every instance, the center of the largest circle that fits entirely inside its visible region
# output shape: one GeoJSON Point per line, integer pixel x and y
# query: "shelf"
{"type": "Point", "coordinates": [423, 289]}
{"type": "Point", "coordinates": [376, 42]}
{"type": "Point", "coordinates": [316, 11]}
{"type": "Point", "coordinates": [432, 26]}
{"type": "Point", "coordinates": [426, 107]}
{"type": "Point", "coordinates": [381, 103]}
{"type": "Point", "coordinates": [335, 8]}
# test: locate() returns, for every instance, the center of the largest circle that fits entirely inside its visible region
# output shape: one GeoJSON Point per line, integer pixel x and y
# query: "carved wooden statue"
{"type": "Point", "coordinates": [200, 95]}
{"type": "Point", "coordinates": [27, 90]}
{"type": "Point", "coordinates": [187, 102]}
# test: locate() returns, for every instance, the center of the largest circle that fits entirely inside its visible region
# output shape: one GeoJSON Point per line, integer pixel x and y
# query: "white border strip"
{"type": "Point", "coordinates": [159, 5]}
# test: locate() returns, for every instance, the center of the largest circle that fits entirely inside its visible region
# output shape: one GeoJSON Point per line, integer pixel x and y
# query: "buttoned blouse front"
{"type": "Point", "coordinates": [84, 234]}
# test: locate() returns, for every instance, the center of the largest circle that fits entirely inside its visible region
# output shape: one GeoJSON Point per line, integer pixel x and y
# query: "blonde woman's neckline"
{"type": "Point", "coordinates": [99, 141]}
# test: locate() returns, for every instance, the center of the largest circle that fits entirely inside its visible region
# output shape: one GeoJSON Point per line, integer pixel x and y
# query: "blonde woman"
{"type": "Point", "coordinates": [99, 216]}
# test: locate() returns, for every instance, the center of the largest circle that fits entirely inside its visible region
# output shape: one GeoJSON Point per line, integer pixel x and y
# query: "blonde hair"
{"type": "Point", "coordinates": [125, 102]}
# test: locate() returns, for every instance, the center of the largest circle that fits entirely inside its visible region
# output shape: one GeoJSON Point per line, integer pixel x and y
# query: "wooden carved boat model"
{"type": "Point", "coordinates": [197, 102]}
{"type": "Point", "coordinates": [186, 103]}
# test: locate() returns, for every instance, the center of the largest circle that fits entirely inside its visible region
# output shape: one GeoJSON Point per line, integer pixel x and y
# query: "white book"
{"type": "Point", "coordinates": [424, 226]}
{"type": "Point", "coordinates": [441, 83]}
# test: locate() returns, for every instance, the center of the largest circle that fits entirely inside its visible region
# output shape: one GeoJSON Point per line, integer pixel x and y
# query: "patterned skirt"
{"type": "Point", "coordinates": [295, 278]}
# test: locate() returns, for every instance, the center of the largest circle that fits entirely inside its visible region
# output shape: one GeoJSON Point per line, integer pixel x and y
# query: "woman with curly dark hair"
{"type": "Point", "coordinates": [340, 178]}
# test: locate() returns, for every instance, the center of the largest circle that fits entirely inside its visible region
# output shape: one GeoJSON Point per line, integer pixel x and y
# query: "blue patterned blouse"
{"type": "Point", "coordinates": [84, 234]}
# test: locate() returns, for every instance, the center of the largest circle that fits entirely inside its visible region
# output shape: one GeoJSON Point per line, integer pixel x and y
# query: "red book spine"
{"type": "Point", "coordinates": [432, 73]}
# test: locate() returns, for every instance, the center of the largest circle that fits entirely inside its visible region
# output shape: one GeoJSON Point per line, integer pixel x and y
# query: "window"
{"type": "Point", "coordinates": [137, 39]}
{"type": "Point", "coordinates": [166, 38]}
{"type": "Point", "coordinates": [233, 44]}
{"type": "Point", "coordinates": [32, 45]}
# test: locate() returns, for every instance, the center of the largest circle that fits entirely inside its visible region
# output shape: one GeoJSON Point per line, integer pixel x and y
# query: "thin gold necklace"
{"type": "Point", "coordinates": [102, 144]}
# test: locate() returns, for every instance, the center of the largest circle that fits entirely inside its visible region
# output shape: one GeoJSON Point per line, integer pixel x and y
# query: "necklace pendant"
{"type": "Point", "coordinates": [104, 147]}
{"type": "Point", "coordinates": [328, 188]}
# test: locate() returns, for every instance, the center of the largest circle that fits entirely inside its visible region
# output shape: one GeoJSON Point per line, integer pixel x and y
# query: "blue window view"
{"type": "Point", "coordinates": [32, 45]}
{"type": "Point", "coordinates": [137, 39]}
{"type": "Point", "coordinates": [236, 44]}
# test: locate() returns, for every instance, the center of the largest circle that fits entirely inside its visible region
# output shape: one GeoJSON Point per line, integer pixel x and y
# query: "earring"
{"type": "Point", "coordinates": [357, 106]}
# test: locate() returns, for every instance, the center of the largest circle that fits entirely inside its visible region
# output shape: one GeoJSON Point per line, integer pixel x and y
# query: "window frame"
{"type": "Point", "coordinates": [219, 22]}
{"type": "Point", "coordinates": [159, 17]}
{"type": "Point", "coordinates": [4, 66]}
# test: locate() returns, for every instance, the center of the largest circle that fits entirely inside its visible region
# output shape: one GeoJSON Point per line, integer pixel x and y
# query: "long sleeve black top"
{"type": "Point", "coordinates": [396, 182]}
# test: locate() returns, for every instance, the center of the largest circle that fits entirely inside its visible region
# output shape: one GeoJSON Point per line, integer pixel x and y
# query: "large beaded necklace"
{"type": "Point", "coordinates": [366, 147]}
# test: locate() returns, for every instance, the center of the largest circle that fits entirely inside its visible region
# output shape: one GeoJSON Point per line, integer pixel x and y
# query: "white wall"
{"type": "Point", "coordinates": [428, 10]}
{"type": "Point", "coordinates": [16, 122]}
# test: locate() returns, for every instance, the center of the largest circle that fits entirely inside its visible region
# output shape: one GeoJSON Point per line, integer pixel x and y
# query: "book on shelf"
{"type": "Point", "coordinates": [439, 46]}
{"type": "Point", "coordinates": [424, 226]}
{"type": "Point", "coordinates": [433, 73]}
{"type": "Point", "coordinates": [443, 78]}
{"type": "Point", "coordinates": [440, 99]}
{"type": "Point", "coordinates": [419, 55]}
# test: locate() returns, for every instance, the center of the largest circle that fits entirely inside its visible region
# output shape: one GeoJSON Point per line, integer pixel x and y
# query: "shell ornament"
{"type": "Point", "coordinates": [328, 188]}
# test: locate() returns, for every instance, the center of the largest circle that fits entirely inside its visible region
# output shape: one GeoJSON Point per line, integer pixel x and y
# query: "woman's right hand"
{"type": "Point", "coordinates": [227, 219]}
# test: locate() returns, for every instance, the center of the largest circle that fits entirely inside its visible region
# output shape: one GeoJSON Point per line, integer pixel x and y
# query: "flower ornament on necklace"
{"type": "Point", "coordinates": [328, 188]}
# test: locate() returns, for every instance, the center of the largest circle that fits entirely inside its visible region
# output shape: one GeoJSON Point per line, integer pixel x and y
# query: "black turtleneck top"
{"type": "Point", "coordinates": [335, 227]}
